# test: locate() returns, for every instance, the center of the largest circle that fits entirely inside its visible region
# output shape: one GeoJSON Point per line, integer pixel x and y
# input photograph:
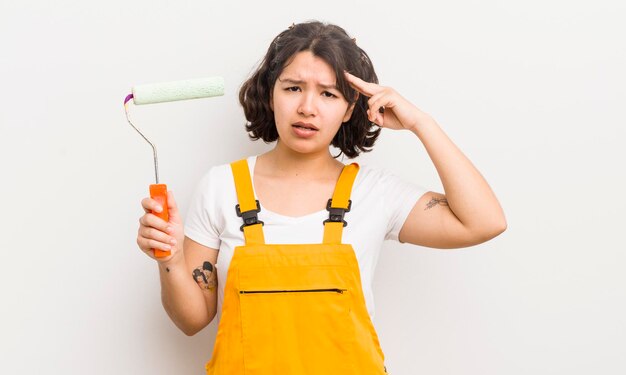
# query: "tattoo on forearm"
{"type": "Point", "coordinates": [436, 201]}
{"type": "Point", "coordinates": [205, 276]}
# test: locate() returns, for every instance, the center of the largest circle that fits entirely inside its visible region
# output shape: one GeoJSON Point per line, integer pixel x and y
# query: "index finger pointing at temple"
{"type": "Point", "coordinates": [365, 88]}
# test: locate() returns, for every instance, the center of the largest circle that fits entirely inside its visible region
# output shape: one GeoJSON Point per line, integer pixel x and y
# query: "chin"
{"type": "Point", "coordinates": [304, 148]}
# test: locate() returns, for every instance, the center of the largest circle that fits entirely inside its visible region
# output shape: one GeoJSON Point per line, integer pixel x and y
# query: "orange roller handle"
{"type": "Point", "coordinates": [158, 192]}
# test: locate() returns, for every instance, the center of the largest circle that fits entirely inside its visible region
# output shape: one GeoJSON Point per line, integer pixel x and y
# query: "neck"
{"type": "Point", "coordinates": [288, 163]}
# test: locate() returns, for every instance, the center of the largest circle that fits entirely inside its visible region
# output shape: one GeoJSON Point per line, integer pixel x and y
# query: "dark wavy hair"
{"type": "Point", "coordinates": [332, 44]}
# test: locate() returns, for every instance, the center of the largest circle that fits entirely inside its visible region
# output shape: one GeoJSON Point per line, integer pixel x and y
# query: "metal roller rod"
{"type": "Point", "coordinates": [154, 150]}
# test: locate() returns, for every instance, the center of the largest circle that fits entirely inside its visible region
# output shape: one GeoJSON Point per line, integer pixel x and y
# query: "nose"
{"type": "Point", "coordinates": [307, 105]}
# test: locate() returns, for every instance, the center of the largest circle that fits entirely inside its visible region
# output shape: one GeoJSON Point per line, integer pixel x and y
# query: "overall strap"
{"type": "Point", "coordinates": [248, 207]}
{"type": "Point", "coordinates": [339, 205]}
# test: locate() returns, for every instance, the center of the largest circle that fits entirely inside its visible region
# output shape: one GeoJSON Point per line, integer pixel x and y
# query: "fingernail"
{"type": "Point", "coordinates": [168, 229]}
{"type": "Point", "coordinates": [173, 241]}
{"type": "Point", "coordinates": [158, 208]}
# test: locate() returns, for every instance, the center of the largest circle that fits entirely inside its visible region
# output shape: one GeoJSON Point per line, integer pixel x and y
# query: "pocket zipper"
{"type": "Point", "coordinates": [336, 290]}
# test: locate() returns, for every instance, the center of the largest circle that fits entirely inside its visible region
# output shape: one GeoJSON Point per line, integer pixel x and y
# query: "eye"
{"type": "Point", "coordinates": [329, 94]}
{"type": "Point", "coordinates": [292, 88]}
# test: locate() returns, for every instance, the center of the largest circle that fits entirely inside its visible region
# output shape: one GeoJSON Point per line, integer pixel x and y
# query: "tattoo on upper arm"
{"type": "Point", "coordinates": [436, 201]}
{"type": "Point", "coordinates": [205, 276]}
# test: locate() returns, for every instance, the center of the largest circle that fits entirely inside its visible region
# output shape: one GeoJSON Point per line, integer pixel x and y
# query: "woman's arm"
{"type": "Point", "coordinates": [190, 303]}
{"type": "Point", "coordinates": [468, 213]}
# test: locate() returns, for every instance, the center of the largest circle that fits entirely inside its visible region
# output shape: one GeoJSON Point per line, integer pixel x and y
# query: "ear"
{"type": "Point", "coordinates": [349, 111]}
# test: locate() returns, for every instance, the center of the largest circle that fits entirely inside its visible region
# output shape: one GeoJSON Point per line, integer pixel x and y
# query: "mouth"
{"type": "Point", "coordinates": [306, 126]}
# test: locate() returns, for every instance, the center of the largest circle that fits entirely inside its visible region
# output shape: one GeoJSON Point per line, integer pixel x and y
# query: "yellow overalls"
{"type": "Point", "coordinates": [294, 309]}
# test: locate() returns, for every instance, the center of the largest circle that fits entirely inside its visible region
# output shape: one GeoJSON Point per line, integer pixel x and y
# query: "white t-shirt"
{"type": "Point", "coordinates": [381, 203]}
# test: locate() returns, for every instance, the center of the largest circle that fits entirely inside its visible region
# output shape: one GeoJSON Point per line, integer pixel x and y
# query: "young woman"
{"type": "Point", "coordinates": [293, 295]}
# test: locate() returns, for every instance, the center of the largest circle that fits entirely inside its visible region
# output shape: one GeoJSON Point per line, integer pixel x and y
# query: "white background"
{"type": "Point", "coordinates": [533, 92]}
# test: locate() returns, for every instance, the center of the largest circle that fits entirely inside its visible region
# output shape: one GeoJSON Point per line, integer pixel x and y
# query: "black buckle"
{"type": "Point", "coordinates": [336, 214]}
{"type": "Point", "coordinates": [249, 217]}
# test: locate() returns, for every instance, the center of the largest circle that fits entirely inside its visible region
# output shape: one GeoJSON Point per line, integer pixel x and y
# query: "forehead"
{"type": "Point", "coordinates": [305, 66]}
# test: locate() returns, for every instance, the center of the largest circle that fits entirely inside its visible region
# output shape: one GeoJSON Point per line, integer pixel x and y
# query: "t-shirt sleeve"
{"type": "Point", "coordinates": [201, 223]}
{"type": "Point", "coordinates": [400, 197]}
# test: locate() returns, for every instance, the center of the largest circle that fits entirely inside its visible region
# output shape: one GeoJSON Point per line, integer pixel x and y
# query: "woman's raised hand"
{"type": "Point", "coordinates": [156, 233]}
{"type": "Point", "coordinates": [387, 108]}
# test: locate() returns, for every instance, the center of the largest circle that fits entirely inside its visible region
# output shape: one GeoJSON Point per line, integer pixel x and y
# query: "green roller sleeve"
{"type": "Point", "coordinates": [178, 90]}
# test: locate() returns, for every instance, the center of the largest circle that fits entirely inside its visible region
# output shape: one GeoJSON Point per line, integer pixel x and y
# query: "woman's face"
{"type": "Point", "coordinates": [308, 108]}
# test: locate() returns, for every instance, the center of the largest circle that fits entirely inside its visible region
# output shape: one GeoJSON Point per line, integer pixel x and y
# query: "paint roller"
{"type": "Point", "coordinates": [169, 92]}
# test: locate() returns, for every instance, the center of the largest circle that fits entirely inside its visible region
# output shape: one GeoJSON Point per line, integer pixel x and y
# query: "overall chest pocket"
{"type": "Point", "coordinates": [297, 330]}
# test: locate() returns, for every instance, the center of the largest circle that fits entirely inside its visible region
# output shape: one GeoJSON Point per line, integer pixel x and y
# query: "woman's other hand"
{"type": "Point", "coordinates": [387, 108]}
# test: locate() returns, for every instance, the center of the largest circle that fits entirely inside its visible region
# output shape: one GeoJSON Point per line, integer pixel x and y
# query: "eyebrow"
{"type": "Point", "coordinates": [299, 82]}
